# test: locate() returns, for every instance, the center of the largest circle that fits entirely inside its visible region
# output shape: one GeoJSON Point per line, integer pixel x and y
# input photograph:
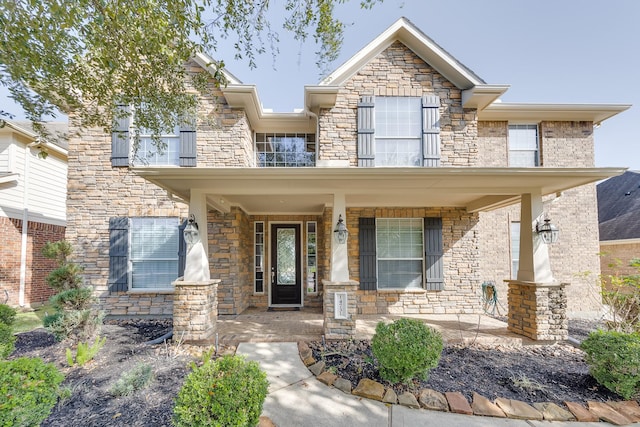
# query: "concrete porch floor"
{"type": "Point", "coordinates": [260, 325]}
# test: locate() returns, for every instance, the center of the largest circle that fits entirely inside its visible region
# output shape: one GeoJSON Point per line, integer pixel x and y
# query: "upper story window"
{"type": "Point", "coordinates": [164, 151]}
{"type": "Point", "coordinates": [399, 131]}
{"type": "Point", "coordinates": [176, 148]}
{"type": "Point", "coordinates": [285, 149]}
{"type": "Point", "coordinates": [523, 146]}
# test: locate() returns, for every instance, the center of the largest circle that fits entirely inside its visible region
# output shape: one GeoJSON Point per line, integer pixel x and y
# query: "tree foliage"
{"type": "Point", "coordinates": [85, 56]}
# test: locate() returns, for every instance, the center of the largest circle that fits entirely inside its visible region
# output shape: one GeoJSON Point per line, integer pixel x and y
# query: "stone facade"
{"type": "Point", "coordinates": [195, 311]}
{"type": "Point", "coordinates": [342, 326]}
{"type": "Point", "coordinates": [397, 71]}
{"type": "Point", "coordinates": [538, 311]}
{"type": "Point", "coordinates": [574, 258]}
{"type": "Point", "coordinates": [37, 291]}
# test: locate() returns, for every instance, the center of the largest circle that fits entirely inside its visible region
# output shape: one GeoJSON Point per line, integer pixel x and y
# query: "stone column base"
{"type": "Point", "coordinates": [195, 311]}
{"type": "Point", "coordinates": [339, 324]}
{"type": "Point", "coordinates": [537, 310]}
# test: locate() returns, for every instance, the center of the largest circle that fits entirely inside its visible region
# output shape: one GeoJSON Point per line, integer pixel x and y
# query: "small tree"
{"type": "Point", "coordinates": [74, 316]}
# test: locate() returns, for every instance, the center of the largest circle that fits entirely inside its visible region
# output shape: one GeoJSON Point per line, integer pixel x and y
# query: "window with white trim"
{"type": "Point", "coordinates": [400, 254]}
{"type": "Point", "coordinates": [164, 151]}
{"type": "Point", "coordinates": [523, 146]}
{"type": "Point", "coordinates": [153, 252]}
{"type": "Point", "coordinates": [398, 131]}
{"type": "Point", "coordinates": [515, 249]}
{"type": "Point", "coordinates": [258, 257]}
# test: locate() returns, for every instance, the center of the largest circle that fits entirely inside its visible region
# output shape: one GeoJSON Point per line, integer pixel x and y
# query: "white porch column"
{"type": "Point", "coordinates": [198, 208]}
{"type": "Point", "coordinates": [339, 253]}
{"type": "Point", "coordinates": [534, 265]}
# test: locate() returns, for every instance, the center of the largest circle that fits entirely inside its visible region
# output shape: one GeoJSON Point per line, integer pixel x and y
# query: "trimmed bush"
{"type": "Point", "coordinates": [7, 341]}
{"type": "Point", "coordinates": [136, 379]}
{"type": "Point", "coordinates": [77, 324]}
{"type": "Point", "coordinates": [225, 392]}
{"type": "Point", "coordinates": [614, 361]}
{"type": "Point", "coordinates": [7, 314]}
{"type": "Point", "coordinates": [405, 349]}
{"type": "Point", "coordinates": [28, 391]}
{"type": "Point", "coordinates": [72, 299]}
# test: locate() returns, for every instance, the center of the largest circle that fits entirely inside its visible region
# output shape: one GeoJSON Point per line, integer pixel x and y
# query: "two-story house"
{"type": "Point", "coordinates": [440, 187]}
{"type": "Point", "coordinates": [33, 192]}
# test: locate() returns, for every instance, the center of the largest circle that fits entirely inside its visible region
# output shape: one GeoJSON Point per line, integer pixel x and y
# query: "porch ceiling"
{"type": "Point", "coordinates": [308, 190]}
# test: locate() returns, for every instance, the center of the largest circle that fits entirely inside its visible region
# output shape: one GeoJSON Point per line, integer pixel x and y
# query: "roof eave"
{"type": "Point", "coordinates": [514, 112]}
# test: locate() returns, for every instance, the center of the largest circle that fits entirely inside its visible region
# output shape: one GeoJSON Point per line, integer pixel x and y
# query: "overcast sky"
{"type": "Point", "coordinates": [549, 51]}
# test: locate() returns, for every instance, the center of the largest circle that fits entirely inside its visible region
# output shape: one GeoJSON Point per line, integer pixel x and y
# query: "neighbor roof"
{"type": "Point", "coordinates": [619, 207]}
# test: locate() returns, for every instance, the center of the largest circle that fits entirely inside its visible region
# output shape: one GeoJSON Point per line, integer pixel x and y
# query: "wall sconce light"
{"type": "Point", "coordinates": [341, 232]}
{"type": "Point", "coordinates": [547, 231]}
{"type": "Point", "coordinates": [191, 231]}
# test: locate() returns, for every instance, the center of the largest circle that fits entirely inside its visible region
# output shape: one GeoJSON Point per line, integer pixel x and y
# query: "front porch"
{"type": "Point", "coordinates": [260, 325]}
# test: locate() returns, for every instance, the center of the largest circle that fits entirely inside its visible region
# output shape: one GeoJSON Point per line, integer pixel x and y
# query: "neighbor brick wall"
{"type": "Point", "coordinates": [397, 71]}
{"type": "Point", "coordinates": [38, 267]}
{"type": "Point", "coordinates": [615, 258]}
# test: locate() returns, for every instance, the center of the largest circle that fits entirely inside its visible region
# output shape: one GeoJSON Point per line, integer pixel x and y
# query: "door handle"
{"type": "Point", "coordinates": [273, 275]}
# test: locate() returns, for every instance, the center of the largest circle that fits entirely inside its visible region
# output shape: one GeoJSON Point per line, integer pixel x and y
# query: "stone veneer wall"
{"type": "Point", "coordinates": [538, 312]}
{"type": "Point", "coordinates": [461, 265]}
{"type": "Point", "coordinates": [574, 258]}
{"type": "Point", "coordinates": [37, 290]}
{"type": "Point", "coordinates": [97, 191]}
{"type": "Point", "coordinates": [397, 71]}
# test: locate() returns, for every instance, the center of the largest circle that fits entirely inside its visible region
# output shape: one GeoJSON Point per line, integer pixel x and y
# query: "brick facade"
{"type": "Point", "coordinates": [37, 291]}
{"type": "Point", "coordinates": [615, 257]}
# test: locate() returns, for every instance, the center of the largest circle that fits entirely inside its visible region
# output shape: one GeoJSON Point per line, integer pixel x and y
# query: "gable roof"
{"type": "Point", "coordinates": [619, 207]}
{"type": "Point", "coordinates": [428, 50]}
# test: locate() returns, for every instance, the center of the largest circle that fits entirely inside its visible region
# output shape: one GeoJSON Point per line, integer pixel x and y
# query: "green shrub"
{"type": "Point", "coordinates": [28, 391]}
{"type": "Point", "coordinates": [7, 341]}
{"type": "Point", "coordinates": [85, 352]}
{"type": "Point", "coordinates": [7, 315]}
{"type": "Point", "coordinates": [133, 380]}
{"type": "Point", "coordinates": [614, 361]}
{"type": "Point", "coordinates": [78, 324]}
{"type": "Point", "coordinates": [72, 299]}
{"type": "Point", "coordinates": [405, 349]}
{"type": "Point", "coordinates": [225, 392]}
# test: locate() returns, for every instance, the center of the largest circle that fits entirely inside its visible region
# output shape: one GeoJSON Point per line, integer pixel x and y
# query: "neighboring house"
{"type": "Point", "coordinates": [33, 192]}
{"type": "Point", "coordinates": [619, 218]}
{"type": "Point", "coordinates": [410, 148]}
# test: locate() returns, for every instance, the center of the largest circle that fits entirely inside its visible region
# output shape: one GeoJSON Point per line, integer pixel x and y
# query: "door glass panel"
{"type": "Point", "coordinates": [286, 256]}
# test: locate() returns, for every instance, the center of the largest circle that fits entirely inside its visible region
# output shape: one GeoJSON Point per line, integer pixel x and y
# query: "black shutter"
{"type": "Point", "coordinates": [188, 147]}
{"type": "Point", "coordinates": [366, 137]}
{"type": "Point", "coordinates": [120, 136]}
{"type": "Point", "coordinates": [431, 131]}
{"type": "Point", "coordinates": [182, 249]}
{"type": "Point", "coordinates": [433, 254]}
{"type": "Point", "coordinates": [118, 254]}
{"type": "Point", "coordinates": [367, 242]}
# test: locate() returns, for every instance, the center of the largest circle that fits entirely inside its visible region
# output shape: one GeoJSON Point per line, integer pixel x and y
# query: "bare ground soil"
{"type": "Point", "coordinates": [531, 373]}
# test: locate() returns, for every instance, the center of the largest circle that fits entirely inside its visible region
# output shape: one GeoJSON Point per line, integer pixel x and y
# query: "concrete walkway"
{"type": "Point", "coordinates": [296, 398]}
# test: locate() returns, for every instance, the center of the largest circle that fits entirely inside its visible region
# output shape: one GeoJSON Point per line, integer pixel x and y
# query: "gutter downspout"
{"type": "Point", "coordinates": [25, 225]}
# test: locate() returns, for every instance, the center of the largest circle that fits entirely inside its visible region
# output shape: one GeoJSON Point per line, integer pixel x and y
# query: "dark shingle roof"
{"type": "Point", "coordinates": [57, 131]}
{"type": "Point", "coordinates": [619, 207]}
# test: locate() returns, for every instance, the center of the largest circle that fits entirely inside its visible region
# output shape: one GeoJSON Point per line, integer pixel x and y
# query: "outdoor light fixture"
{"type": "Point", "coordinates": [341, 232]}
{"type": "Point", "coordinates": [547, 231]}
{"type": "Point", "coordinates": [191, 231]}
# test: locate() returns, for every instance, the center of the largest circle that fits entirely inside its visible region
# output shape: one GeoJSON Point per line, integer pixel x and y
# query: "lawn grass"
{"type": "Point", "coordinates": [29, 320]}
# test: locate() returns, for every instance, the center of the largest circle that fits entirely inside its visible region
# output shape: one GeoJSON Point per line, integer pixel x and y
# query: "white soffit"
{"type": "Point", "coordinates": [404, 31]}
{"type": "Point", "coordinates": [246, 97]}
{"type": "Point", "coordinates": [205, 61]}
{"type": "Point", "coordinates": [306, 190]}
{"type": "Point", "coordinates": [516, 112]}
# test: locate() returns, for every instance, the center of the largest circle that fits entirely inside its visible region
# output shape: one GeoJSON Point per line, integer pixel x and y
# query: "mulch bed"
{"type": "Point", "coordinates": [531, 374]}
